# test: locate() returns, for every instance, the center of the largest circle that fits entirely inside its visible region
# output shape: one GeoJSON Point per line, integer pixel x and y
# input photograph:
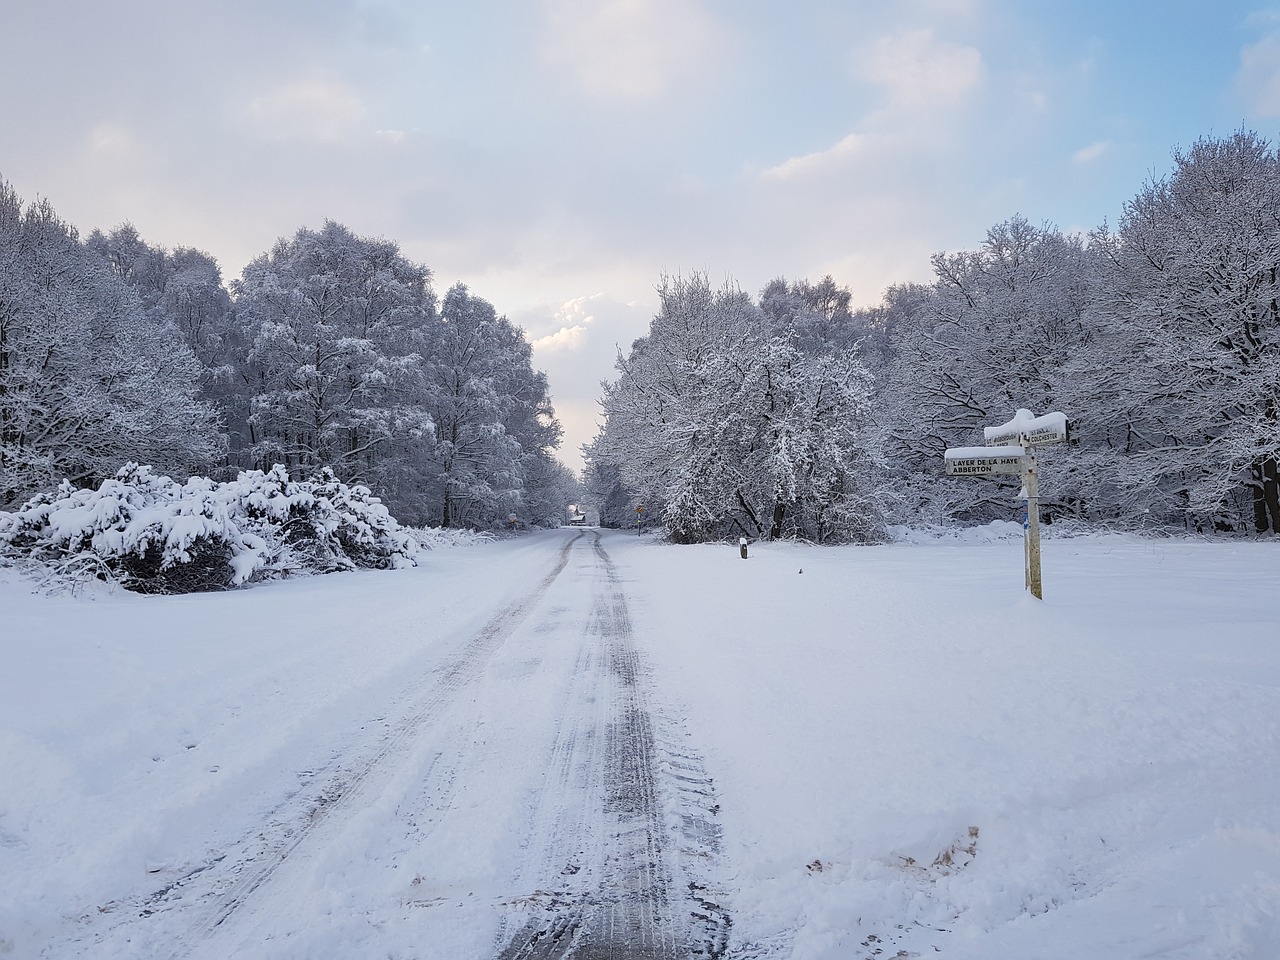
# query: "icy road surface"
{"type": "Point", "coordinates": [586, 744]}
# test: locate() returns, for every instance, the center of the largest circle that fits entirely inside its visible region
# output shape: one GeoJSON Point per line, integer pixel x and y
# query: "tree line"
{"type": "Point", "coordinates": [791, 414]}
{"type": "Point", "coordinates": [330, 351]}
{"type": "Point", "coordinates": [785, 414]}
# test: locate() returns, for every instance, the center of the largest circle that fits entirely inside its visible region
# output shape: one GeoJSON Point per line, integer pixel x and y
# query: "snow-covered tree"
{"type": "Point", "coordinates": [550, 487]}
{"type": "Point", "coordinates": [605, 491]}
{"type": "Point", "coordinates": [351, 364]}
{"type": "Point", "coordinates": [990, 336]}
{"type": "Point", "coordinates": [337, 327]}
{"type": "Point", "coordinates": [817, 316]}
{"type": "Point", "coordinates": [1185, 383]}
{"type": "Point", "coordinates": [87, 380]}
{"type": "Point", "coordinates": [721, 424]}
{"type": "Point", "coordinates": [184, 288]}
{"type": "Point", "coordinates": [475, 372]}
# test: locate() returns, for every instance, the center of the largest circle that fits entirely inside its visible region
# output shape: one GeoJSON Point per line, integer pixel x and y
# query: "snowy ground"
{"type": "Point", "coordinates": [578, 739]}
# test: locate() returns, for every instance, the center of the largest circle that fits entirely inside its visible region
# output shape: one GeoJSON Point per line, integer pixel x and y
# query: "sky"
{"type": "Point", "coordinates": [560, 156]}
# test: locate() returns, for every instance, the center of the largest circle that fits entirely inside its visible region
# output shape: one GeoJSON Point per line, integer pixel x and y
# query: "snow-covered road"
{"type": "Point", "coordinates": [583, 743]}
{"type": "Point", "coordinates": [498, 787]}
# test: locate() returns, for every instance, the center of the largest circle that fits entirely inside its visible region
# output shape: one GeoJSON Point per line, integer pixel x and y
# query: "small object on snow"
{"type": "Point", "coordinates": [802, 569]}
{"type": "Point", "coordinates": [816, 867]}
{"type": "Point", "coordinates": [742, 547]}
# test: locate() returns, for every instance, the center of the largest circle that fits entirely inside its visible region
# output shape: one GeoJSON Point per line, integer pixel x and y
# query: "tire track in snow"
{"type": "Point", "coordinates": [208, 896]}
{"type": "Point", "coordinates": [627, 818]}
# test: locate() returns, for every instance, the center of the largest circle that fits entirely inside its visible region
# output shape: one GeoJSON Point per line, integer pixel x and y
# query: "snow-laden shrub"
{"type": "Point", "coordinates": [287, 514]}
{"type": "Point", "coordinates": [189, 543]}
{"type": "Point", "coordinates": [158, 536]}
{"type": "Point", "coordinates": [319, 525]}
{"type": "Point", "coordinates": [365, 531]}
{"type": "Point", "coordinates": [152, 533]}
{"type": "Point", "coordinates": [443, 538]}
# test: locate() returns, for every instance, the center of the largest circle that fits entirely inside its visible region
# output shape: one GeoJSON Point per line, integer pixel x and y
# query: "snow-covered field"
{"type": "Point", "coordinates": [844, 753]}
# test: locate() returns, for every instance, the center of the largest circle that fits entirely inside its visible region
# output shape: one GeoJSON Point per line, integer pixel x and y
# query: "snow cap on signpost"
{"type": "Point", "coordinates": [1029, 430]}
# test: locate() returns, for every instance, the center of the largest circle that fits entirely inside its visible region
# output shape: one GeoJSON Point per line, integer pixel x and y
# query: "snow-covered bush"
{"type": "Point", "coordinates": [158, 536]}
{"type": "Point", "coordinates": [319, 525]}
{"type": "Point", "coordinates": [443, 538]}
{"type": "Point", "coordinates": [361, 527]}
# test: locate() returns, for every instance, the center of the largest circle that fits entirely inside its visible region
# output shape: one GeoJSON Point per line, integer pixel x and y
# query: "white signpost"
{"type": "Point", "coordinates": [1011, 450]}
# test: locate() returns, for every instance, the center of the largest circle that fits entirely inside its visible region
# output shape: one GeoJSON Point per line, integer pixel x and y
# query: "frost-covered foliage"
{"type": "Point", "coordinates": [1188, 294]}
{"type": "Point", "coordinates": [1160, 339]}
{"type": "Point", "coordinates": [989, 336]}
{"type": "Point", "coordinates": [349, 362]}
{"type": "Point", "coordinates": [156, 535]}
{"type": "Point", "coordinates": [445, 538]}
{"type": "Point", "coordinates": [494, 424]}
{"type": "Point", "coordinates": [727, 420]}
{"type": "Point", "coordinates": [87, 379]}
{"type": "Point", "coordinates": [320, 524]}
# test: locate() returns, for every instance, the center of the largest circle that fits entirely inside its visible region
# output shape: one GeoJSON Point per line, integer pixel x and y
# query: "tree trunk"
{"type": "Point", "coordinates": [1259, 499]}
{"type": "Point", "coordinates": [779, 512]}
{"type": "Point", "coordinates": [1271, 495]}
{"type": "Point", "coordinates": [755, 521]}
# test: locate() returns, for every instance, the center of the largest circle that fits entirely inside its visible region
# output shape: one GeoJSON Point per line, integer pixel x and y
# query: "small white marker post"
{"type": "Point", "coordinates": [1011, 450]}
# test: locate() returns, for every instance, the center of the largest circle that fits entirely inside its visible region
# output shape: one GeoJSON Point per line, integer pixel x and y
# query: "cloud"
{"type": "Point", "coordinates": [108, 142]}
{"type": "Point", "coordinates": [630, 49]}
{"type": "Point", "coordinates": [1259, 75]}
{"type": "Point", "coordinates": [566, 338]}
{"type": "Point", "coordinates": [585, 334]}
{"type": "Point", "coordinates": [809, 165]}
{"type": "Point", "coordinates": [1091, 153]}
{"type": "Point", "coordinates": [319, 107]}
{"type": "Point", "coordinates": [573, 320]}
{"type": "Point", "coordinates": [919, 71]}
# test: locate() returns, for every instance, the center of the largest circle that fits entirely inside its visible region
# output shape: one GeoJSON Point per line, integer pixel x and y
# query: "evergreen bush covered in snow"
{"type": "Point", "coordinates": [155, 535]}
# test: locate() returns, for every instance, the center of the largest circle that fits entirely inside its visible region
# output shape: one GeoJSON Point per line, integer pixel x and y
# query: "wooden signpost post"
{"type": "Point", "coordinates": [1011, 450]}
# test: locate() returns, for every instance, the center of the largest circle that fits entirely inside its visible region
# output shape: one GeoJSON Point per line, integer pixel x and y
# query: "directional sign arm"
{"type": "Point", "coordinates": [985, 461]}
{"type": "Point", "coordinates": [1034, 431]}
